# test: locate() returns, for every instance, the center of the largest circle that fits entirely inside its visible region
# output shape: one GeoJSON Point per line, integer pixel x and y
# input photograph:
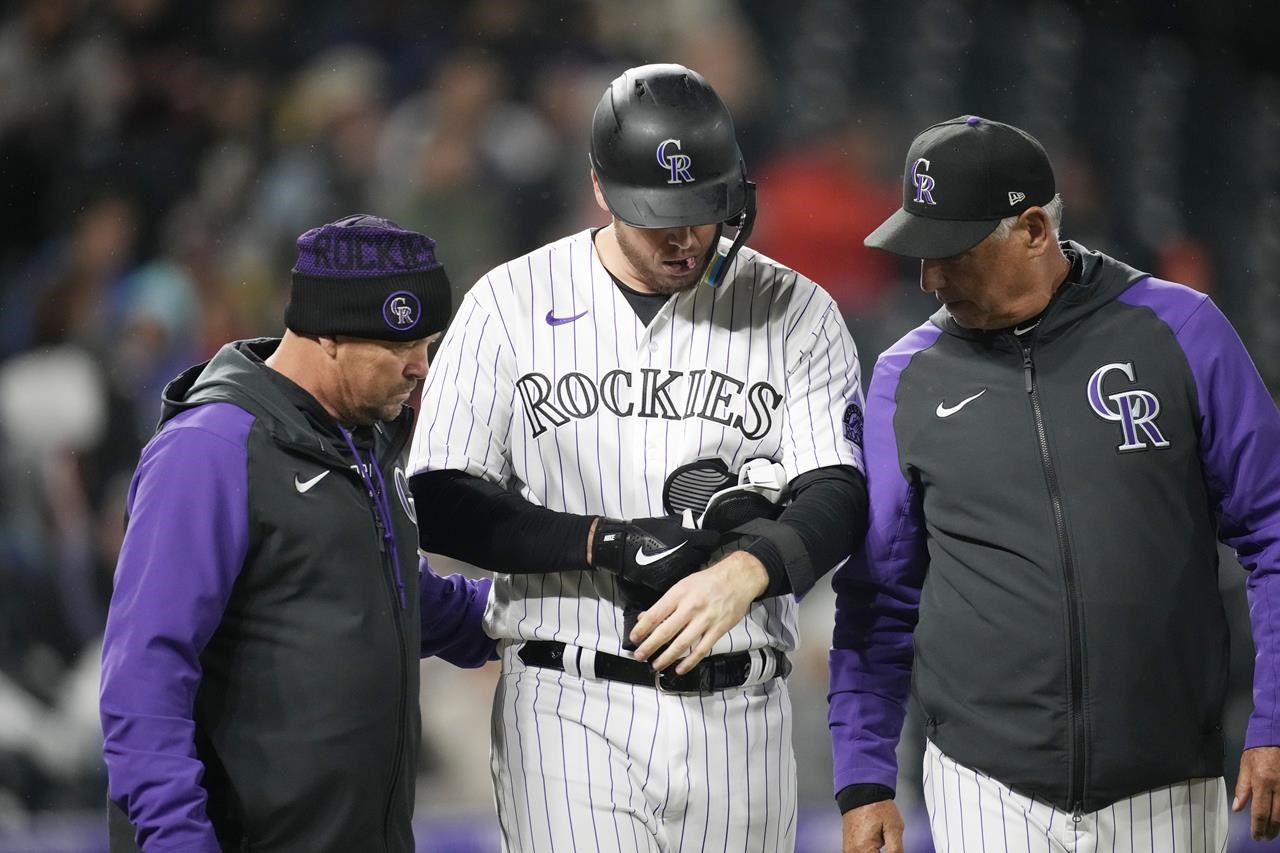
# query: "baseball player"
{"type": "Point", "coordinates": [584, 394]}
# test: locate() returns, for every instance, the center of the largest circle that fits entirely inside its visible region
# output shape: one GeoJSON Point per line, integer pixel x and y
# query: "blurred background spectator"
{"type": "Point", "coordinates": [158, 159]}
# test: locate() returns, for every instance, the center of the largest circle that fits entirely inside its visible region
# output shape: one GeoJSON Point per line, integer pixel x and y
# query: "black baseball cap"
{"type": "Point", "coordinates": [961, 178]}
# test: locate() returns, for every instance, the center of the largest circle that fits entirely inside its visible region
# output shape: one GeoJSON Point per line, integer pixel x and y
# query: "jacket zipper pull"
{"type": "Point", "coordinates": [1027, 367]}
{"type": "Point", "coordinates": [1077, 813]}
{"type": "Point", "coordinates": [382, 530]}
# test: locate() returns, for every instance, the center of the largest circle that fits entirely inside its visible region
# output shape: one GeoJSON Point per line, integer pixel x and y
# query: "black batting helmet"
{"type": "Point", "coordinates": [664, 152]}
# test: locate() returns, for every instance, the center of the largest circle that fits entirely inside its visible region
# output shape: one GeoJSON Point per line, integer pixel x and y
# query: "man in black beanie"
{"type": "Point", "coordinates": [260, 665]}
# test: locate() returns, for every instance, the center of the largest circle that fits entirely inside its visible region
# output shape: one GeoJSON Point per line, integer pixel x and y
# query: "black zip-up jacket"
{"type": "Point", "coordinates": [262, 649]}
{"type": "Point", "coordinates": [1047, 505]}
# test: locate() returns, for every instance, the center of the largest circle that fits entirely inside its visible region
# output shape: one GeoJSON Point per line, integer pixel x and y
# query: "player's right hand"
{"type": "Point", "coordinates": [872, 828]}
{"type": "Point", "coordinates": [655, 552]}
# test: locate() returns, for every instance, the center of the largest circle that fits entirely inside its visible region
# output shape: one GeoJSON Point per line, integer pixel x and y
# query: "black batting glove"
{"type": "Point", "coordinates": [655, 552]}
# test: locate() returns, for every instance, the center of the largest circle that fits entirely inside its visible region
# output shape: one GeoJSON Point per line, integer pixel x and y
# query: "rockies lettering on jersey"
{"type": "Point", "coordinates": [719, 399]}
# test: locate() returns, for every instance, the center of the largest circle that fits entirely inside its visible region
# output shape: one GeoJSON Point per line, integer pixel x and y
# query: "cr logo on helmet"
{"type": "Point", "coordinates": [678, 163]}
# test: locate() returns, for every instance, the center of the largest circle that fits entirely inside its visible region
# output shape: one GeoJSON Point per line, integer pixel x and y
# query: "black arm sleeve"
{"type": "Point", "coordinates": [826, 520]}
{"type": "Point", "coordinates": [483, 524]}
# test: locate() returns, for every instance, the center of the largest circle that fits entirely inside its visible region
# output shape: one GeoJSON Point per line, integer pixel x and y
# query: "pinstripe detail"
{"type": "Point", "coordinates": [626, 752]}
{"type": "Point", "coordinates": [681, 757]}
{"type": "Point", "coordinates": [648, 763]}
{"type": "Point", "coordinates": [982, 824]}
{"type": "Point", "coordinates": [1191, 828]}
{"type": "Point", "coordinates": [716, 297]}
{"type": "Point", "coordinates": [1004, 821]}
{"type": "Point", "coordinates": [764, 834]}
{"type": "Point", "coordinates": [1026, 822]}
{"type": "Point", "coordinates": [1186, 817]}
{"type": "Point", "coordinates": [543, 752]}
{"type": "Point", "coordinates": [457, 368]}
{"type": "Point", "coordinates": [667, 798]}
{"type": "Point", "coordinates": [563, 752]}
{"type": "Point", "coordinates": [475, 378]}
{"type": "Point", "coordinates": [508, 821]}
{"type": "Point", "coordinates": [1151, 820]}
{"type": "Point", "coordinates": [607, 765]}
{"type": "Point", "coordinates": [706, 774]}
{"type": "Point", "coordinates": [795, 322]}
{"type": "Point", "coordinates": [946, 822]}
{"type": "Point", "coordinates": [746, 759]}
{"type": "Point", "coordinates": [930, 795]}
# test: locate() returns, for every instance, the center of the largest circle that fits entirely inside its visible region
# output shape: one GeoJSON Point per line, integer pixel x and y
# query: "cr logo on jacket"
{"type": "Point", "coordinates": [1136, 409]}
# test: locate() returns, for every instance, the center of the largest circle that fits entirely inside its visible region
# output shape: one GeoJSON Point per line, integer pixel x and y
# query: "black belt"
{"type": "Point", "coordinates": [718, 672]}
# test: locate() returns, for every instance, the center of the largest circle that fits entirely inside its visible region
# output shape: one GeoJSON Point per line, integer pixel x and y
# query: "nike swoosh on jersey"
{"type": "Point", "coordinates": [553, 320]}
{"type": "Point", "coordinates": [643, 558]}
{"type": "Point", "coordinates": [304, 486]}
{"type": "Point", "coordinates": [945, 411]}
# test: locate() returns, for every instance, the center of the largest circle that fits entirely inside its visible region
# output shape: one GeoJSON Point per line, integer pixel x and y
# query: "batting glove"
{"type": "Point", "coordinates": [655, 552]}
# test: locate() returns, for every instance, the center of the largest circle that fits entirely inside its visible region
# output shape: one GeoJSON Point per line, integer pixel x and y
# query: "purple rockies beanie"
{"type": "Point", "coordinates": [367, 277]}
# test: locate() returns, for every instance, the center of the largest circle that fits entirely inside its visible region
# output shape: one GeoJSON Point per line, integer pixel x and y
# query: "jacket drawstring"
{"type": "Point", "coordinates": [381, 506]}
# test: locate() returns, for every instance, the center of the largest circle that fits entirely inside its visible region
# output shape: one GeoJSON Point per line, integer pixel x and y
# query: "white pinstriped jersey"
{"type": "Point", "coordinates": [548, 382]}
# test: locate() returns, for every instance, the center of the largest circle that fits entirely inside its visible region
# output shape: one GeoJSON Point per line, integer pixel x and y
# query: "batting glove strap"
{"type": "Point", "coordinates": [655, 552]}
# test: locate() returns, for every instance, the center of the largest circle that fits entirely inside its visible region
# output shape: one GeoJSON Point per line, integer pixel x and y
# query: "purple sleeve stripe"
{"type": "Point", "coordinates": [1240, 455]}
{"type": "Point", "coordinates": [877, 594]}
{"type": "Point", "coordinates": [183, 549]}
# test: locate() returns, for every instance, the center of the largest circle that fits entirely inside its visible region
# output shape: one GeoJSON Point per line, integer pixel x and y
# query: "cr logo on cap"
{"type": "Point", "coordinates": [401, 310]}
{"type": "Point", "coordinates": [678, 163]}
{"type": "Point", "coordinates": [923, 182]}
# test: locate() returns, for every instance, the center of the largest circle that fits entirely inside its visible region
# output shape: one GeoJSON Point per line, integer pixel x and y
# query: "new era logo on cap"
{"type": "Point", "coordinates": [959, 182]}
